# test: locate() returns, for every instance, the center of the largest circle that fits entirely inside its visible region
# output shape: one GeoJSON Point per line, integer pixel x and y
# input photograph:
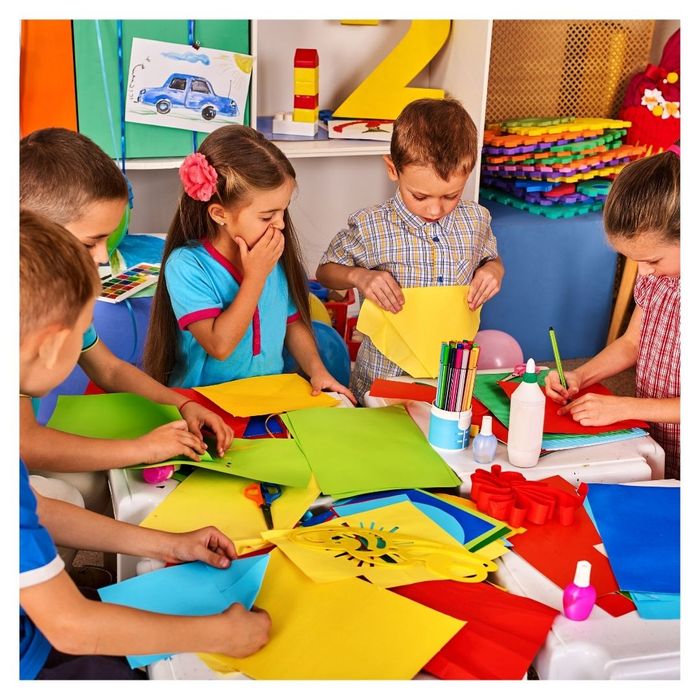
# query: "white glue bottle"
{"type": "Point", "coordinates": [526, 420]}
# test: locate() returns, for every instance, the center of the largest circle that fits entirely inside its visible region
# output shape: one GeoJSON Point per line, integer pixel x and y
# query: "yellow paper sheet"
{"type": "Point", "coordinates": [412, 338]}
{"type": "Point", "coordinates": [259, 396]}
{"type": "Point", "coordinates": [345, 630]}
{"type": "Point", "coordinates": [209, 498]}
{"type": "Point", "coordinates": [418, 549]}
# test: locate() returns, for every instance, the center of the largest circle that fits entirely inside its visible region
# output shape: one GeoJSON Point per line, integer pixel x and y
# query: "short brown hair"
{"type": "Point", "coordinates": [57, 276]}
{"type": "Point", "coordinates": [435, 133]}
{"type": "Point", "coordinates": [61, 172]}
{"type": "Point", "coordinates": [646, 197]}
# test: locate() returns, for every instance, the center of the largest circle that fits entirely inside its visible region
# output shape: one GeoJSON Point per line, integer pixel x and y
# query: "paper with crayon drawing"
{"type": "Point", "coordinates": [412, 338]}
{"type": "Point", "coordinates": [343, 630]}
{"type": "Point", "coordinates": [257, 396]}
{"type": "Point", "coordinates": [194, 588]}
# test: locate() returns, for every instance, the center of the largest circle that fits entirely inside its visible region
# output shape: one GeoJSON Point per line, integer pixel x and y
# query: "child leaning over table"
{"type": "Point", "coordinates": [425, 235]}
{"type": "Point", "coordinates": [642, 219]}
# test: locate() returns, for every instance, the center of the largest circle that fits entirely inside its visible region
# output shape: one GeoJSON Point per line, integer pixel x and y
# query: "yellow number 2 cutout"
{"type": "Point", "coordinates": [385, 92]}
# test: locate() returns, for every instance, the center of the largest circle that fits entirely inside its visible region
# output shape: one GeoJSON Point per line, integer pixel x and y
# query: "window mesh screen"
{"type": "Point", "coordinates": [550, 68]}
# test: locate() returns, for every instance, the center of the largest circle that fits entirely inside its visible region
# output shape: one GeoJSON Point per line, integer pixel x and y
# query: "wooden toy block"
{"type": "Point", "coordinates": [305, 87]}
{"type": "Point", "coordinates": [286, 125]}
{"type": "Point", "coordinates": [305, 101]}
{"type": "Point", "coordinates": [304, 77]}
{"type": "Point", "coordinates": [305, 115]}
{"type": "Point", "coordinates": [306, 58]}
{"type": "Point", "coordinates": [359, 22]}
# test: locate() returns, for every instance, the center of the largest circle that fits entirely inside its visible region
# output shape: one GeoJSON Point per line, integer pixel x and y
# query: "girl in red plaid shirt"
{"type": "Point", "coordinates": [642, 222]}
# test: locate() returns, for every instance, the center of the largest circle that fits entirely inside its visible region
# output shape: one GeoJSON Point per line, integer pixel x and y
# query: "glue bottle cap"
{"type": "Point", "coordinates": [582, 578]}
{"type": "Point", "coordinates": [530, 376]}
{"type": "Point", "coordinates": [486, 426]}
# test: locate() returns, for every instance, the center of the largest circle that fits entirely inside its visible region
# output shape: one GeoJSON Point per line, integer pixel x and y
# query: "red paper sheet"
{"type": "Point", "coordinates": [387, 389]}
{"type": "Point", "coordinates": [554, 550]}
{"type": "Point", "coordinates": [502, 636]}
{"type": "Point", "coordinates": [554, 423]}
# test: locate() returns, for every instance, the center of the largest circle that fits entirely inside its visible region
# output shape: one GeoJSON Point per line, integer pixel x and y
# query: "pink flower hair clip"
{"type": "Point", "coordinates": [198, 177]}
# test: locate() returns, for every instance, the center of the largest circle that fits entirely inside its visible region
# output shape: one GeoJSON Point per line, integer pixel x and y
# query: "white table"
{"type": "Point", "coordinates": [638, 459]}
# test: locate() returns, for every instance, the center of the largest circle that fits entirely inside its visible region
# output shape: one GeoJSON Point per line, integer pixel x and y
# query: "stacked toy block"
{"type": "Point", "coordinates": [303, 121]}
{"type": "Point", "coordinates": [557, 167]}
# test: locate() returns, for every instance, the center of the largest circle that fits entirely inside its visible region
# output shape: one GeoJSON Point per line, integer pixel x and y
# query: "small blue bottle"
{"type": "Point", "coordinates": [485, 443]}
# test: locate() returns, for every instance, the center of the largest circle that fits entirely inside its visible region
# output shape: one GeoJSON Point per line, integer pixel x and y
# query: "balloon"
{"type": "Point", "coordinates": [156, 475]}
{"type": "Point", "coordinates": [498, 349]}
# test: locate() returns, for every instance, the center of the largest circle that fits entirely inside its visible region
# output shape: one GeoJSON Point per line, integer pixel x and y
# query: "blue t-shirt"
{"type": "Point", "coordinates": [38, 562]}
{"type": "Point", "coordinates": [202, 283]}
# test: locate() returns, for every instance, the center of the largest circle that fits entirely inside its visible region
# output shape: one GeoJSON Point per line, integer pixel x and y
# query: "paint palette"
{"type": "Point", "coordinates": [127, 283]}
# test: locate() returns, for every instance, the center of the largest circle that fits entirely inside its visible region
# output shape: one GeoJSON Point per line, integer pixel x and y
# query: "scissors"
{"type": "Point", "coordinates": [518, 371]}
{"type": "Point", "coordinates": [263, 494]}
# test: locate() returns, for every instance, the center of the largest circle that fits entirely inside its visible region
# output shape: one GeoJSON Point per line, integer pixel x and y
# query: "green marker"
{"type": "Point", "coordinates": [557, 358]}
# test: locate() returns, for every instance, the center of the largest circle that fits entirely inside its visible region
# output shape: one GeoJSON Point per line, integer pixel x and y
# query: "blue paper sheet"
{"type": "Point", "coordinates": [640, 528]}
{"type": "Point", "coordinates": [657, 606]}
{"type": "Point", "coordinates": [188, 589]}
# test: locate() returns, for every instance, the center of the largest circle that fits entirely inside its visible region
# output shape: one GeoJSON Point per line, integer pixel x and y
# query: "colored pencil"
{"type": "Point", "coordinates": [557, 357]}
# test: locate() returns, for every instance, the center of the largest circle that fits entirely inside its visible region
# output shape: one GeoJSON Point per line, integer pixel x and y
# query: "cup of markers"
{"type": "Point", "coordinates": [451, 412]}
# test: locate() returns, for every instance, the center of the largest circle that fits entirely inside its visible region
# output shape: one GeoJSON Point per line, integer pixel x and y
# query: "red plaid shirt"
{"type": "Point", "coordinates": [659, 360]}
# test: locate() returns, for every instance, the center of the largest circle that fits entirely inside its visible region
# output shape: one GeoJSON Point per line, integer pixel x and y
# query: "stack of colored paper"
{"type": "Point", "coordinates": [558, 167]}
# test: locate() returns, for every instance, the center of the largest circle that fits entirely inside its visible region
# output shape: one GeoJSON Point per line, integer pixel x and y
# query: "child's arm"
{"type": "Point", "coordinates": [302, 346]}
{"type": "Point", "coordinates": [54, 450]}
{"type": "Point", "coordinates": [112, 374]}
{"type": "Point", "coordinates": [220, 336]}
{"type": "Point", "coordinates": [486, 282]}
{"type": "Point", "coordinates": [377, 285]}
{"type": "Point", "coordinates": [599, 409]}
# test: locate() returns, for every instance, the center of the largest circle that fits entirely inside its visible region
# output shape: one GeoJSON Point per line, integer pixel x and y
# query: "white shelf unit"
{"type": "Point", "coordinates": [329, 190]}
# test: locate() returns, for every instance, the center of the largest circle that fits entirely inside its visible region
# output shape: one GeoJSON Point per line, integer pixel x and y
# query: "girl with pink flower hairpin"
{"type": "Point", "coordinates": [235, 291]}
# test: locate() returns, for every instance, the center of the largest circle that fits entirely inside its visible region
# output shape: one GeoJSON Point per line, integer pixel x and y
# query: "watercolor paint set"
{"type": "Point", "coordinates": [127, 283]}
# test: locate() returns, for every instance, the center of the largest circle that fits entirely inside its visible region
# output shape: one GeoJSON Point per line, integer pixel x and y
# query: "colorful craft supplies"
{"type": "Point", "coordinates": [342, 630]}
{"type": "Point", "coordinates": [412, 338]}
{"type": "Point", "coordinates": [367, 449]}
{"type": "Point", "coordinates": [502, 636]}
{"type": "Point", "coordinates": [256, 396]}
{"type": "Point", "coordinates": [188, 589]}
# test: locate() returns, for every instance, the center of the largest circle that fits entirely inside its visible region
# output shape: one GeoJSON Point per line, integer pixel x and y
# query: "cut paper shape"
{"type": "Point", "coordinates": [554, 423]}
{"type": "Point", "coordinates": [640, 528]}
{"type": "Point", "coordinates": [367, 449]}
{"type": "Point", "coordinates": [207, 498]}
{"type": "Point", "coordinates": [386, 389]}
{"type": "Point", "coordinates": [188, 589]}
{"type": "Point", "coordinates": [390, 546]}
{"type": "Point", "coordinates": [511, 497]}
{"type": "Point", "coordinates": [502, 636]}
{"type": "Point", "coordinates": [412, 338]}
{"type": "Point", "coordinates": [367, 633]}
{"type": "Point", "coordinates": [257, 396]}
{"type": "Point", "coordinates": [657, 606]}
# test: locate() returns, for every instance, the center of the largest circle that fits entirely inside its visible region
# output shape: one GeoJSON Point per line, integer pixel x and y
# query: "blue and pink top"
{"type": "Point", "coordinates": [202, 283]}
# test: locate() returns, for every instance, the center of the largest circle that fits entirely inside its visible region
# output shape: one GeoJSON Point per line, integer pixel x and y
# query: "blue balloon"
{"type": "Point", "coordinates": [332, 349]}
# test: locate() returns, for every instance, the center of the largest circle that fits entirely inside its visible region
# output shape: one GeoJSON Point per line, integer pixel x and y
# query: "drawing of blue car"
{"type": "Point", "coordinates": [190, 92]}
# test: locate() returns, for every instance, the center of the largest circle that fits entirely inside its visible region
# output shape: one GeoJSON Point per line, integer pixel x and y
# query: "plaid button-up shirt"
{"type": "Point", "coordinates": [417, 253]}
{"type": "Point", "coordinates": [659, 359]}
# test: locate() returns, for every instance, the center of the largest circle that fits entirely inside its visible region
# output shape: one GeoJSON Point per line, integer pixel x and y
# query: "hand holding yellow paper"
{"type": "Point", "coordinates": [259, 396]}
{"type": "Point", "coordinates": [412, 337]}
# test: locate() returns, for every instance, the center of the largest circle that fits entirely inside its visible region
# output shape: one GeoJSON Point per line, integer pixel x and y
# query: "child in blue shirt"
{"type": "Point", "coordinates": [235, 291]}
{"type": "Point", "coordinates": [88, 636]}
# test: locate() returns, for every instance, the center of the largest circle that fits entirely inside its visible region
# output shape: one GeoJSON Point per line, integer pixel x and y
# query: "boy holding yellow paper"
{"type": "Point", "coordinates": [425, 235]}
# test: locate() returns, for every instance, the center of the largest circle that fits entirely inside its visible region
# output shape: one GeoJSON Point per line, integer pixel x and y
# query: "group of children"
{"type": "Point", "coordinates": [233, 294]}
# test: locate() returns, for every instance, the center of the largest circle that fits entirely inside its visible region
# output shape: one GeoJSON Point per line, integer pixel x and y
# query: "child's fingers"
{"type": "Point", "coordinates": [189, 440]}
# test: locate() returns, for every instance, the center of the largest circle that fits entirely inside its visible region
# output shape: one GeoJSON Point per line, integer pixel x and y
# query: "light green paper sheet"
{"type": "Point", "coordinates": [367, 449]}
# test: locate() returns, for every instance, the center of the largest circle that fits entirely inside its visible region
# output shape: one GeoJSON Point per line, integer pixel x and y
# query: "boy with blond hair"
{"type": "Point", "coordinates": [89, 637]}
{"type": "Point", "coordinates": [425, 235]}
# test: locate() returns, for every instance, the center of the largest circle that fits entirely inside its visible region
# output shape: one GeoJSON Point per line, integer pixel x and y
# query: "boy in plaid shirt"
{"type": "Point", "coordinates": [425, 235]}
{"type": "Point", "coordinates": [642, 222]}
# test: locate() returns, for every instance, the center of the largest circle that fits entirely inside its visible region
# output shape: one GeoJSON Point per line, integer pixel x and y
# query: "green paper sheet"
{"type": "Point", "coordinates": [486, 389]}
{"type": "Point", "coordinates": [367, 449]}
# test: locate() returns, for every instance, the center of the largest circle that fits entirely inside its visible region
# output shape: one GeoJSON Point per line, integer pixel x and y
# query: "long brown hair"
{"type": "Point", "coordinates": [244, 160]}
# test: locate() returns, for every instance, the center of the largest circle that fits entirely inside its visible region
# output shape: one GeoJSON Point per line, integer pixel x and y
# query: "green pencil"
{"type": "Point", "coordinates": [557, 358]}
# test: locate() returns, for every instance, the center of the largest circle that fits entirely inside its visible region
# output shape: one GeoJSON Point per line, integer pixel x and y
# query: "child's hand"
{"type": "Point", "coordinates": [381, 288]}
{"type": "Point", "coordinates": [263, 256]}
{"type": "Point", "coordinates": [597, 409]}
{"type": "Point", "coordinates": [485, 284]}
{"type": "Point", "coordinates": [198, 417]}
{"type": "Point", "coordinates": [250, 631]}
{"type": "Point", "coordinates": [554, 389]}
{"type": "Point", "coordinates": [169, 440]}
{"type": "Point", "coordinates": [206, 544]}
{"type": "Point", "coordinates": [324, 380]}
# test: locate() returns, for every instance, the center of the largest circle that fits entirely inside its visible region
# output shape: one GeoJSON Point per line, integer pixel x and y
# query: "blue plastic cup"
{"type": "Point", "coordinates": [449, 430]}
